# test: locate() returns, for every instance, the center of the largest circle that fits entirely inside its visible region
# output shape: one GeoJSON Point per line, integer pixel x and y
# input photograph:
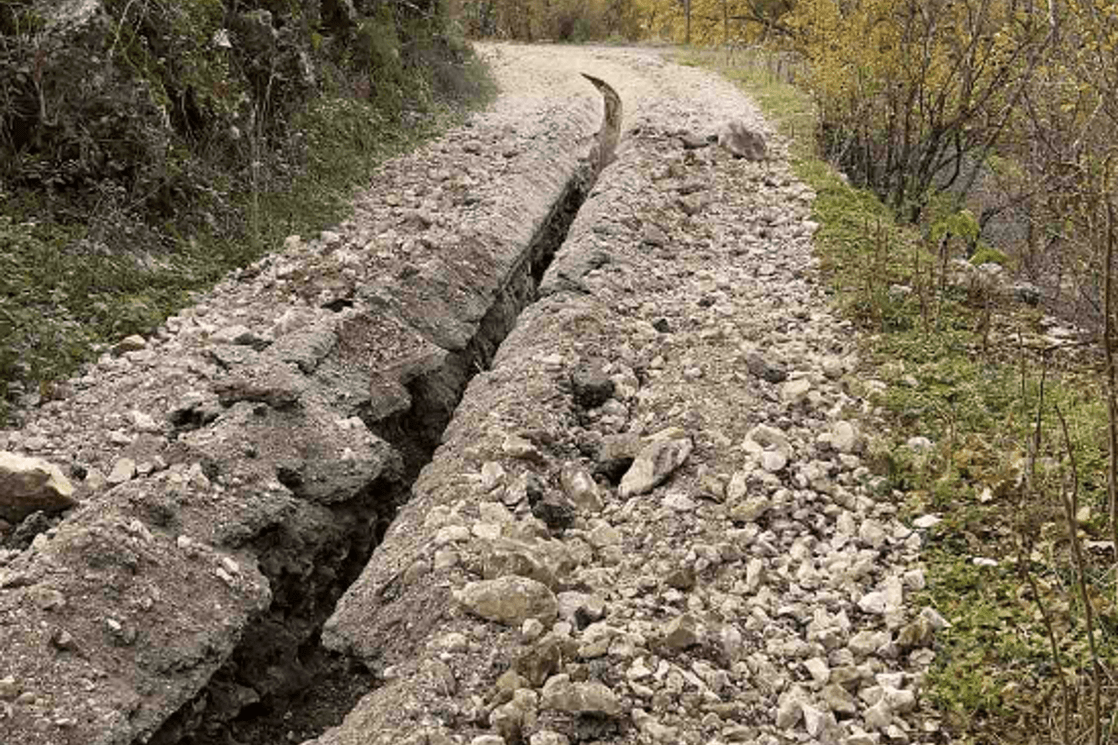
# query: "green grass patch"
{"type": "Point", "coordinates": [956, 374]}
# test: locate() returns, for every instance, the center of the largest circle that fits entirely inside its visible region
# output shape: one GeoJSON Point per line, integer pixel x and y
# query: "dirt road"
{"type": "Point", "coordinates": [738, 582]}
{"type": "Point", "coordinates": [647, 520]}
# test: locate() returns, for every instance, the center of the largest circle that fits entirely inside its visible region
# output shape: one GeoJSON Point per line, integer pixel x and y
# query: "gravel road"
{"type": "Point", "coordinates": [648, 519]}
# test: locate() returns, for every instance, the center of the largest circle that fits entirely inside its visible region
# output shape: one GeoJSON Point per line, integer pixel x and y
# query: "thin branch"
{"type": "Point", "coordinates": [1071, 507]}
{"type": "Point", "coordinates": [1024, 561]}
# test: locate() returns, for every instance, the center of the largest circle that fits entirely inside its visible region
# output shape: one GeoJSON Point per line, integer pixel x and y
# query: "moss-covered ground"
{"type": "Point", "coordinates": [965, 369]}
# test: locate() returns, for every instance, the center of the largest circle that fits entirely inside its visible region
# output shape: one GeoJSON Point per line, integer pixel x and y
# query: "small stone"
{"type": "Point", "coordinates": [712, 485]}
{"type": "Point", "coordinates": [873, 602]}
{"type": "Point", "coordinates": [832, 367]}
{"type": "Point", "coordinates": [654, 729]}
{"type": "Point", "coordinates": [762, 368]}
{"type": "Point", "coordinates": [133, 343]}
{"type": "Point", "coordinates": [773, 461]}
{"type": "Point", "coordinates": [918, 444]}
{"type": "Point", "coordinates": [550, 506]}
{"type": "Point", "coordinates": [652, 466]}
{"type": "Point", "coordinates": [927, 521]}
{"type": "Point", "coordinates": [143, 422]}
{"type": "Point", "coordinates": [48, 598]}
{"type": "Point", "coordinates": [522, 448]}
{"type": "Point", "coordinates": [682, 632]}
{"type": "Point", "coordinates": [816, 721]}
{"type": "Point", "coordinates": [123, 470]}
{"type": "Point", "coordinates": [531, 629]}
{"type": "Point", "coordinates": [494, 512]}
{"type": "Point", "coordinates": [577, 608]}
{"type": "Point", "coordinates": [878, 716]}
{"type": "Point", "coordinates": [754, 572]}
{"type": "Point", "coordinates": [617, 453]}
{"type": "Point", "coordinates": [750, 510]}
{"type": "Point", "coordinates": [682, 578]}
{"type": "Point", "coordinates": [900, 700]}
{"type": "Point", "coordinates": [679, 502]}
{"type": "Point", "coordinates": [789, 711]}
{"type": "Point", "coordinates": [838, 699]}
{"type": "Point", "coordinates": [794, 391]}
{"type": "Point", "coordinates": [914, 579]}
{"type": "Point", "coordinates": [492, 476]}
{"type": "Point", "coordinates": [872, 533]}
{"type": "Point", "coordinates": [239, 335]}
{"type": "Point", "coordinates": [818, 669]}
{"type": "Point", "coordinates": [845, 437]}
{"type": "Point", "coordinates": [603, 534]}
{"type": "Point", "coordinates": [581, 489]}
{"type": "Point", "coordinates": [541, 660]}
{"type": "Point", "coordinates": [591, 386]}
{"type": "Point", "coordinates": [95, 481]}
{"type": "Point", "coordinates": [732, 642]}
{"type": "Point", "coordinates": [866, 642]}
{"type": "Point", "coordinates": [445, 558]}
{"type": "Point", "coordinates": [592, 697]}
{"type": "Point", "coordinates": [933, 617]}
{"type": "Point", "coordinates": [548, 737]}
{"type": "Point", "coordinates": [62, 640]}
{"type": "Point", "coordinates": [509, 600]}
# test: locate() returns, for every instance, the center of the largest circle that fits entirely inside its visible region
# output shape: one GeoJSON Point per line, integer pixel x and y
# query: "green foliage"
{"type": "Point", "coordinates": [376, 48]}
{"type": "Point", "coordinates": [959, 223]}
{"type": "Point", "coordinates": [909, 91]}
{"type": "Point", "coordinates": [987, 254]}
{"type": "Point", "coordinates": [163, 144]}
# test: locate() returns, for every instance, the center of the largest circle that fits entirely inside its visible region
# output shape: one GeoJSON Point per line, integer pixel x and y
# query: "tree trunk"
{"type": "Point", "coordinates": [726, 23]}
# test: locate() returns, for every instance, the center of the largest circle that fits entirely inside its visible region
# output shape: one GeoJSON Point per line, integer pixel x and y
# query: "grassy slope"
{"type": "Point", "coordinates": [64, 294]}
{"type": "Point", "coordinates": [975, 395]}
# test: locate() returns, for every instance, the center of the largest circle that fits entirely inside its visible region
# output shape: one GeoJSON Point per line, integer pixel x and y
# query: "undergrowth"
{"type": "Point", "coordinates": [95, 246]}
{"type": "Point", "coordinates": [964, 367]}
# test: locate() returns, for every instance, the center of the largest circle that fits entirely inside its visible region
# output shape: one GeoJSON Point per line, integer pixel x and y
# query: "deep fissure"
{"type": "Point", "coordinates": [280, 684]}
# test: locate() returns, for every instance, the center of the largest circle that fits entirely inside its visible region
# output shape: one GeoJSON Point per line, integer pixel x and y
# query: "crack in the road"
{"type": "Point", "coordinates": [318, 687]}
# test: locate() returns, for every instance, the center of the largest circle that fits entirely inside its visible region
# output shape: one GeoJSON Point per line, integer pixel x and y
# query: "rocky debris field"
{"type": "Point", "coordinates": [648, 519]}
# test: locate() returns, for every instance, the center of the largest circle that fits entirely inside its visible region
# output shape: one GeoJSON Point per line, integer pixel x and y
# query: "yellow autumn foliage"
{"type": "Point", "coordinates": [911, 91]}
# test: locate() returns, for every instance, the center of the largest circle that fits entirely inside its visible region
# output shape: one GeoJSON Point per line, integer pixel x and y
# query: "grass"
{"type": "Point", "coordinates": [73, 282]}
{"type": "Point", "coordinates": [956, 374]}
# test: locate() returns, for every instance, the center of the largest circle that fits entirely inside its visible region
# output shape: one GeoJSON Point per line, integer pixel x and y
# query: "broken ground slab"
{"type": "Point", "coordinates": [108, 625]}
{"type": "Point", "coordinates": [255, 430]}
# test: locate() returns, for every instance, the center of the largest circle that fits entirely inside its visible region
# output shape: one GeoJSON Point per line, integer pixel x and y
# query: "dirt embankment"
{"type": "Point", "coordinates": [647, 520]}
